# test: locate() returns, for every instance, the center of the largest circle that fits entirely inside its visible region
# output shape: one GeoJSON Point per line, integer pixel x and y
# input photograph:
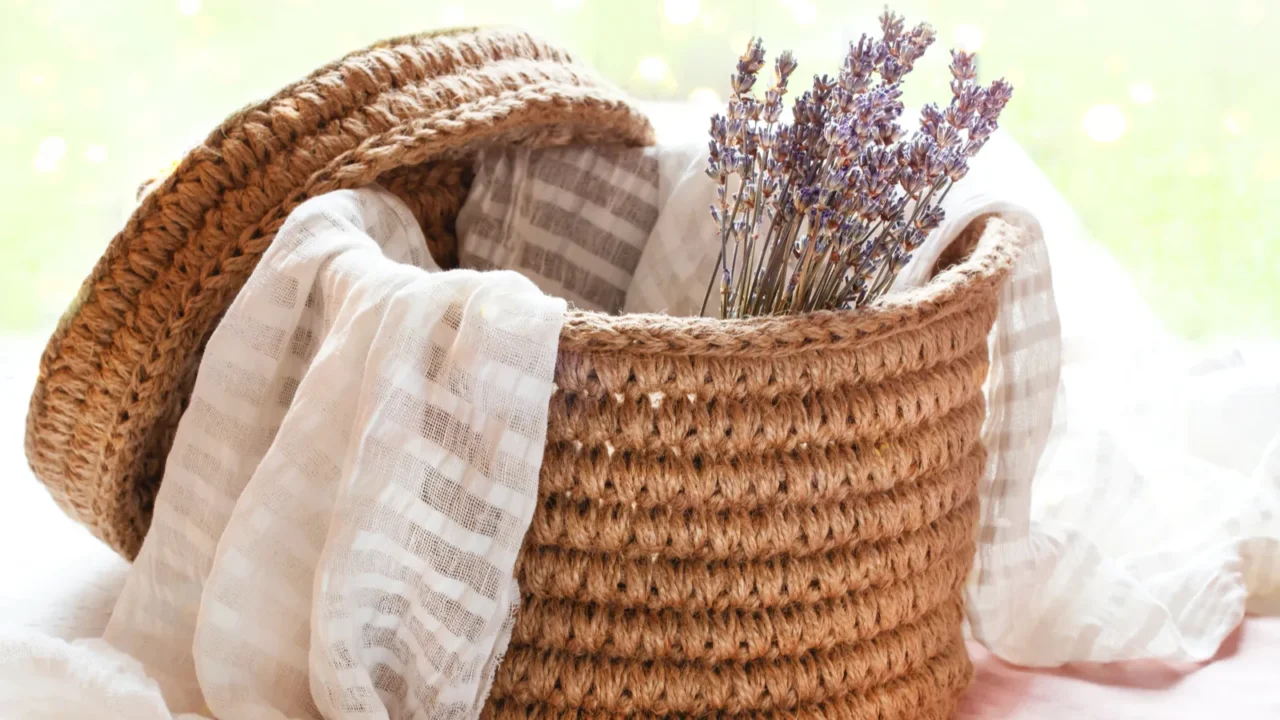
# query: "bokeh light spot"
{"type": "Point", "coordinates": [968, 37]}
{"type": "Point", "coordinates": [453, 15]}
{"type": "Point", "coordinates": [652, 68]}
{"type": "Point", "coordinates": [680, 12]}
{"type": "Point", "coordinates": [1199, 163]}
{"type": "Point", "coordinates": [188, 7]}
{"type": "Point", "coordinates": [705, 97]}
{"type": "Point", "coordinates": [1236, 121]}
{"type": "Point", "coordinates": [95, 154]}
{"type": "Point", "coordinates": [1104, 123]}
{"type": "Point", "coordinates": [803, 12]}
{"type": "Point", "coordinates": [1252, 12]}
{"type": "Point", "coordinates": [1116, 63]}
{"type": "Point", "coordinates": [49, 153]}
{"type": "Point", "coordinates": [1073, 9]}
{"type": "Point", "coordinates": [1142, 93]}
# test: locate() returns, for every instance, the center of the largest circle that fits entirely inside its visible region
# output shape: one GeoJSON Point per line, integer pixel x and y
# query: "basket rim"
{"type": "Point", "coordinates": [976, 278]}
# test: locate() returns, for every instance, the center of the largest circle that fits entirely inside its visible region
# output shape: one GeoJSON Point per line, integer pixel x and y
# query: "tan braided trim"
{"type": "Point", "coordinates": [760, 518]}
{"type": "Point", "coordinates": [118, 370]}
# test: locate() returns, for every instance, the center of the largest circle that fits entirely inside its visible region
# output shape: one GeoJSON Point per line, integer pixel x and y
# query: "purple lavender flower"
{"type": "Point", "coordinates": [825, 210]}
{"type": "Point", "coordinates": [748, 67]}
{"type": "Point", "coordinates": [891, 24]}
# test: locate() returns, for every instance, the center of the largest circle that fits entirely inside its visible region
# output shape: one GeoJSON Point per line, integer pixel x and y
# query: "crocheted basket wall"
{"type": "Point", "coordinates": [760, 518]}
{"type": "Point", "coordinates": [753, 518]}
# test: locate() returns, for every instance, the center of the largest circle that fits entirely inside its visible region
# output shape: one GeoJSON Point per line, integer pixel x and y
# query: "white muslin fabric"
{"type": "Point", "coordinates": [43, 677]}
{"type": "Point", "coordinates": [1150, 523]}
{"type": "Point", "coordinates": [347, 492]}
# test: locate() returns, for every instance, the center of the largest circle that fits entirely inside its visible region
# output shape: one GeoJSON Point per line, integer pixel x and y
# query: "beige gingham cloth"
{"type": "Point", "coordinates": [575, 221]}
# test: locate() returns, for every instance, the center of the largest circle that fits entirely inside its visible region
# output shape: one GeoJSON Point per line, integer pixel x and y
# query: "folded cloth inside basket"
{"type": "Point", "coordinates": [576, 222]}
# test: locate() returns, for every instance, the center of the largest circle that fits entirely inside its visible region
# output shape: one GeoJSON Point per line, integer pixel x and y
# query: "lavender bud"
{"type": "Point", "coordinates": [892, 70]}
{"type": "Point", "coordinates": [922, 36]}
{"type": "Point", "coordinates": [930, 118]}
{"type": "Point", "coordinates": [956, 165]}
{"type": "Point", "coordinates": [864, 55]}
{"type": "Point", "coordinates": [822, 87]}
{"type": "Point", "coordinates": [946, 136]}
{"type": "Point", "coordinates": [718, 128]}
{"type": "Point", "coordinates": [981, 130]}
{"type": "Point", "coordinates": [968, 98]}
{"type": "Point", "coordinates": [735, 131]}
{"type": "Point", "coordinates": [912, 182]}
{"type": "Point", "coordinates": [891, 23]}
{"type": "Point", "coordinates": [929, 219]}
{"type": "Point", "coordinates": [742, 83]}
{"type": "Point", "coordinates": [975, 144]}
{"type": "Point", "coordinates": [914, 238]}
{"type": "Point", "coordinates": [835, 135]}
{"type": "Point", "coordinates": [804, 198]}
{"type": "Point", "coordinates": [753, 59]}
{"type": "Point", "coordinates": [999, 94]}
{"type": "Point", "coordinates": [962, 66]}
{"type": "Point", "coordinates": [934, 167]}
{"type": "Point", "coordinates": [956, 117]}
{"type": "Point", "coordinates": [783, 67]}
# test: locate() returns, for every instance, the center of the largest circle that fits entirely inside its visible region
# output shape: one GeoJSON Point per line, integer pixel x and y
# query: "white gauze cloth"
{"type": "Point", "coordinates": [347, 492]}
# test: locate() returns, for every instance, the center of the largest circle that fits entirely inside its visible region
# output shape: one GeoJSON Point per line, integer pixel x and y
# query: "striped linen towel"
{"type": "Point", "coordinates": [575, 221]}
{"type": "Point", "coordinates": [348, 490]}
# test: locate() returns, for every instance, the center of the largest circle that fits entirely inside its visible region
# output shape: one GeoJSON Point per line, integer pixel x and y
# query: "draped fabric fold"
{"type": "Point", "coordinates": [351, 482]}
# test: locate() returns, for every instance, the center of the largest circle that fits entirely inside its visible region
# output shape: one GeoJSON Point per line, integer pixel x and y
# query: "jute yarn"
{"type": "Point", "coordinates": [770, 517]}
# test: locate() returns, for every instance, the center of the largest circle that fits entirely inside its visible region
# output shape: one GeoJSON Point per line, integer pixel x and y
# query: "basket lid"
{"type": "Point", "coordinates": [407, 112]}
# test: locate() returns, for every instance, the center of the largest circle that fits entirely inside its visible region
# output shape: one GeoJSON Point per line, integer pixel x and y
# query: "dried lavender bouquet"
{"type": "Point", "coordinates": [824, 212]}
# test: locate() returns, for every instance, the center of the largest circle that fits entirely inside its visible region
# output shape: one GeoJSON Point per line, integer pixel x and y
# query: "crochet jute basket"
{"type": "Point", "coordinates": [758, 518]}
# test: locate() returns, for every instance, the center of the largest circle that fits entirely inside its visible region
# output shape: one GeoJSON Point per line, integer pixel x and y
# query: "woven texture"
{"type": "Point", "coordinates": [769, 517]}
{"type": "Point", "coordinates": [407, 112]}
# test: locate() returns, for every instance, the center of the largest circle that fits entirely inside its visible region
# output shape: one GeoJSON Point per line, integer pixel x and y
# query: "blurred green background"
{"type": "Point", "coordinates": [1153, 118]}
